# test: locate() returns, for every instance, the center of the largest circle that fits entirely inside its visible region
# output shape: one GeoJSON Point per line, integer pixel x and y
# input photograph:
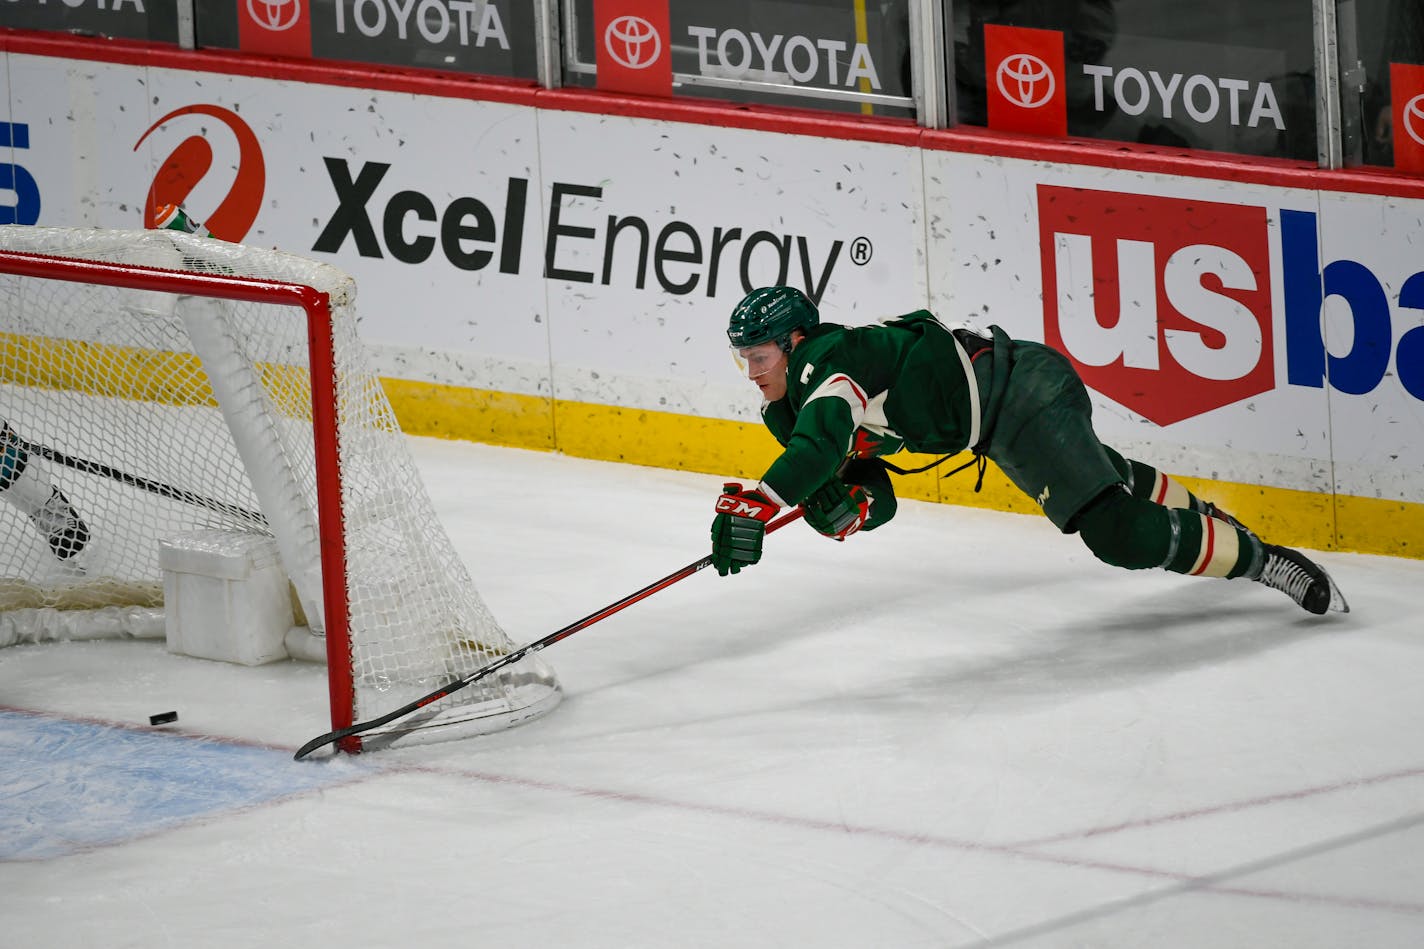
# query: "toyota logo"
{"type": "Point", "coordinates": [1025, 80]}
{"type": "Point", "coordinates": [1414, 118]}
{"type": "Point", "coordinates": [633, 42]}
{"type": "Point", "coordinates": [274, 15]}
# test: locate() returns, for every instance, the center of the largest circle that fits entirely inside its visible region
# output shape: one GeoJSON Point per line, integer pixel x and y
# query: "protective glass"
{"type": "Point", "coordinates": [758, 360]}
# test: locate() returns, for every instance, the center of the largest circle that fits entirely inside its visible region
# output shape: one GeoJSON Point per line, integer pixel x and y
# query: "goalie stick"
{"type": "Point", "coordinates": [134, 481]}
{"type": "Point", "coordinates": [456, 685]}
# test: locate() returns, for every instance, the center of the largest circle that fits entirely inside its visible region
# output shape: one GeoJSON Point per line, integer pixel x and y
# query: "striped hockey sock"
{"type": "Point", "coordinates": [1204, 546]}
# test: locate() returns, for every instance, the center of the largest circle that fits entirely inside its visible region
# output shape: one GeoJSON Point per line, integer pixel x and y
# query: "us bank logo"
{"type": "Point", "coordinates": [15, 178]}
{"type": "Point", "coordinates": [632, 42]}
{"type": "Point", "coordinates": [1165, 305]}
{"type": "Point", "coordinates": [192, 159]}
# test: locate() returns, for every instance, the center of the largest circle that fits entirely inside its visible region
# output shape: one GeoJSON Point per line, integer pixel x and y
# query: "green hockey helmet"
{"type": "Point", "coordinates": [770, 314]}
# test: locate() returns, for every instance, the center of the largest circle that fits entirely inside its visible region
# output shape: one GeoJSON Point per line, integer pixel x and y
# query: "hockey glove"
{"type": "Point", "coordinates": [870, 474]}
{"type": "Point", "coordinates": [832, 508]}
{"type": "Point", "coordinates": [739, 527]}
{"type": "Point", "coordinates": [837, 509]}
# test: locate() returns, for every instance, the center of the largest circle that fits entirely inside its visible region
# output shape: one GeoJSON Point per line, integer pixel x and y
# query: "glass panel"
{"type": "Point", "coordinates": [1381, 50]}
{"type": "Point", "coordinates": [1213, 74]}
{"type": "Point", "coordinates": [155, 20]}
{"type": "Point", "coordinates": [485, 37]}
{"type": "Point", "coordinates": [840, 55]}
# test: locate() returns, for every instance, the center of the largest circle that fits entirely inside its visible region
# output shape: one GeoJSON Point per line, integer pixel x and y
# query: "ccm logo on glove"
{"type": "Point", "coordinates": [738, 502]}
{"type": "Point", "coordinates": [740, 507]}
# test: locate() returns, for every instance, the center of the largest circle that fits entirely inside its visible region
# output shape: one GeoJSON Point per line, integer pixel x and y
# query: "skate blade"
{"type": "Point", "coordinates": [1337, 599]}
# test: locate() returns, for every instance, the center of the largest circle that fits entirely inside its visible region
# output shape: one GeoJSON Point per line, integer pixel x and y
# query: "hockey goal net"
{"type": "Point", "coordinates": [165, 384]}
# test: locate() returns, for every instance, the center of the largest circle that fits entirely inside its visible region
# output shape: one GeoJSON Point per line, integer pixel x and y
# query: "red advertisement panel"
{"type": "Point", "coordinates": [276, 27]}
{"type": "Point", "coordinates": [634, 46]}
{"type": "Point", "coordinates": [1024, 77]}
{"type": "Point", "coordinates": [1162, 304]}
{"type": "Point", "coordinates": [1406, 85]}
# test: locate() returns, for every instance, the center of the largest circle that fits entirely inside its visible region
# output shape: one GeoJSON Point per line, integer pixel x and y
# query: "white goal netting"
{"type": "Point", "coordinates": [158, 413]}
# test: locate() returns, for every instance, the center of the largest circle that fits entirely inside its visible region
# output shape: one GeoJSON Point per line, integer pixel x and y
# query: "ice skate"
{"type": "Point", "coordinates": [61, 525]}
{"type": "Point", "coordinates": [1301, 579]}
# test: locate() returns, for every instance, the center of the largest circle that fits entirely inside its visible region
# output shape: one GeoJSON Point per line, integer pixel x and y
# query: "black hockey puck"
{"type": "Point", "coordinates": [163, 718]}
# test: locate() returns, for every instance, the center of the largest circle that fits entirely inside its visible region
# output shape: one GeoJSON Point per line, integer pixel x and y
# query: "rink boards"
{"type": "Point", "coordinates": [553, 270]}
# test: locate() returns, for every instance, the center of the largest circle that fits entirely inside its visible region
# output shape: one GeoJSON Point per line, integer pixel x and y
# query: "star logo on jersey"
{"type": "Point", "coordinates": [865, 444]}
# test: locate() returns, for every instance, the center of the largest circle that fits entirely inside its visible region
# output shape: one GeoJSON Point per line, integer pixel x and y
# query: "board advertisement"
{"type": "Point", "coordinates": [556, 260]}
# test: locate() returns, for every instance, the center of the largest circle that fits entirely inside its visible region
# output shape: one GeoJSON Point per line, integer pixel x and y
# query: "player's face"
{"type": "Point", "coordinates": [766, 366]}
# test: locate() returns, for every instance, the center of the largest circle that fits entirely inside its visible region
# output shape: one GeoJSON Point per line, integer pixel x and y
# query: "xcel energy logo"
{"type": "Point", "coordinates": [192, 159]}
{"type": "Point", "coordinates": [582, 245]}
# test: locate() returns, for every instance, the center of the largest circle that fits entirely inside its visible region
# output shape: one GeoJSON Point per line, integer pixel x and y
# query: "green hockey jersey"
{"type": "Point", "coordinates": [905, 383]}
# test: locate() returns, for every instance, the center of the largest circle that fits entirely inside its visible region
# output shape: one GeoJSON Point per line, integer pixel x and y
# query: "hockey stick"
{"type": "Point", "coordinates": [456, 685]}
{"type": "Point", "coordinates": [134, 481]}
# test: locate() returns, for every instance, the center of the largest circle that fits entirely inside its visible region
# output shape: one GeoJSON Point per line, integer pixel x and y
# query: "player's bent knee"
{"type": "Point", "coordinates": [1124, 531]}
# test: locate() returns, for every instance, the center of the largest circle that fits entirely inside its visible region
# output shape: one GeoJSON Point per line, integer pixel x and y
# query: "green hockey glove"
{"type": "Point", "coordinates": [837, 509]}
{"type": "Point", "coordinates": [871, 475]}
{"type": "Point", "coordinates": [739, 527]}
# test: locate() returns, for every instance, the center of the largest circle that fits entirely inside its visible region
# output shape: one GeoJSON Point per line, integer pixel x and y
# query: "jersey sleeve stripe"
{"type": "Point", "coordinates": [843, 387]}
{"type": "Point", "coordinates": [766, 489]}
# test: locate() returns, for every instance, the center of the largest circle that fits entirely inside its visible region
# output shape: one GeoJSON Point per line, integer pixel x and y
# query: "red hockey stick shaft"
{"type": "Point", "coordinates": [456, 685]}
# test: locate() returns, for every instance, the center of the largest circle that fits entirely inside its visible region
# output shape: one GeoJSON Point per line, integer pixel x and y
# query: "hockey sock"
{"type": "Point", "coordinates": [1208, 547]}
{"type": "Point", "coordinates": [1124, 530]}
{"type": "Point", "coordinates": [1146, 482]}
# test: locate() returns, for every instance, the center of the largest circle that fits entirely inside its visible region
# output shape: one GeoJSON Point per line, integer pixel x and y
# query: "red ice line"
{"type": "Point", "coordinates": [1225, 808]}
{"type": "Point", "coordinates": [1019, 850]}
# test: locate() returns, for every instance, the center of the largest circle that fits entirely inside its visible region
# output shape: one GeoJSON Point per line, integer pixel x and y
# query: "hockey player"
{"type": "Point", "coordinates": [839, 398]}
{"type": "Point", "coordinates": [29, 489]}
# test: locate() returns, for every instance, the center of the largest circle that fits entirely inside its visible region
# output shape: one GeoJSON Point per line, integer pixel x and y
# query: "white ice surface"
{"type": "Point", "coordinates": [960, 730]}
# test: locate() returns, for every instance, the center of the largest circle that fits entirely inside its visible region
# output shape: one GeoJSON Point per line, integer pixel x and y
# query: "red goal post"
{"type": "Point", "coordinates": [233, 375]}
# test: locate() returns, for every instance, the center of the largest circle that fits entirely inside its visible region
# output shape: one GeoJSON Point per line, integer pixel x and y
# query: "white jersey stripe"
{"type": "Point", "coordinates": [843, 387]}
{"type": "Point", "coordinates": [765, 488]}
